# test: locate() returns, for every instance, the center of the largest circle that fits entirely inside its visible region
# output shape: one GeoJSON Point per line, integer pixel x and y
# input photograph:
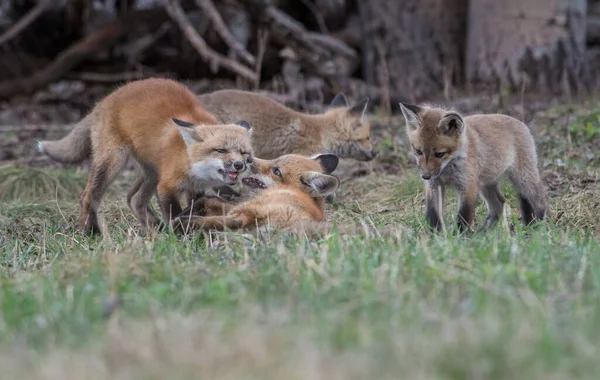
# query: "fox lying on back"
{"type": "Point", "coordinates": [279, 130]}
{"type": "Point", "coordinates": [292, 191]}
{"type": "Point", "coordinates": [471, 154]}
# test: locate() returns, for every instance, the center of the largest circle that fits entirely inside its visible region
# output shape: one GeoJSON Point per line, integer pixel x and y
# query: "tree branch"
{"type": "Point", "coordinates": [83, 49]}
{"type": "Point", "coordinates": [176, 13]}
{"type": "Point", "coordinates": [211, 11]}
{"type": "Point", "coordinates": [25, 21]}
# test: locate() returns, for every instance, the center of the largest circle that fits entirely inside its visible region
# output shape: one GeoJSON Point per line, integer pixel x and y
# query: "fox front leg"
{"type": "Point", "coordinates": [208, 223]}
{"type": "Point", "coordinates": [434, 205]}
{"type": "Point", "coordinates": [467, 200]}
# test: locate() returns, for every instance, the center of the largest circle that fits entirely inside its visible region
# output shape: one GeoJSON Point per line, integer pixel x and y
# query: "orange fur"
{"type": "Point", "coordinates": [297, 189]}
{"type": "Point", "coordinates": [143, 120]}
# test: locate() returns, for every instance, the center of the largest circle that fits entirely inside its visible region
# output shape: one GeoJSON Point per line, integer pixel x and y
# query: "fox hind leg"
{"type": "Point", "coordinates": [139, 198]}
{"type": "Point", "coordinates": [494, 201]}
{"type": "Point", "coordinates": [140, 195]}
{"type": "Point", "coordinates": [532, 196]}
{"type": "Point", "coordinates": [104, 170]}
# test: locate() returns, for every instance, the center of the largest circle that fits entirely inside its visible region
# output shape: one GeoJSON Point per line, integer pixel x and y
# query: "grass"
{"type": "Point", "coordinates": [516, 303]}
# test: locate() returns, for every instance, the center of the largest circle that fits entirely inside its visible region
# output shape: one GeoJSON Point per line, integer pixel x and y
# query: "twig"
{"type": "Point", "coordinates": [263, 38]}
{"type": "Point", "coordinates": [82, 49]}
{"type": "Point", "coordinates": [333, 44]}
{"type": "Point", "coordinates": [174, 10]}
{"type": "Point", "coordinates": [24, 22]}
{"type": "Point", "coordinates": [115, 77]}
{"type": "Point", "coordinates": [317, 14]}
{"type": "Point", "coordinates": [211, 11]}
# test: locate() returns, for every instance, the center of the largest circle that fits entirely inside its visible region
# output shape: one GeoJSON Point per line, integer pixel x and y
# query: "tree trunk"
{"type": "Point", "coordinates": [417, 45]}
{"type": "Point", "coordinates": [536, 43]}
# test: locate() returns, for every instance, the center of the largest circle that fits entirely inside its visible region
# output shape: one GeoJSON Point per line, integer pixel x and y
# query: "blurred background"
{"type": "Point", "coordinates": [58, 57]}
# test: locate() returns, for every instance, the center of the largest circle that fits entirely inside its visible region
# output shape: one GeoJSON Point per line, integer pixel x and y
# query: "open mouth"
{"type": "Point", "coordinates": [254, 183]}
{"type": "Point", "coordinates": [229, 177]}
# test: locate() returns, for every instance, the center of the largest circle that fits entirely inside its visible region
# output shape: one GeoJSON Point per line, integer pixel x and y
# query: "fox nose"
{"type": "Point", "coordinates": [238, 165]}
{"type": "Point", "coordinates": [370, 154]}
{"type": "Point", "coordinates": [426, 176]}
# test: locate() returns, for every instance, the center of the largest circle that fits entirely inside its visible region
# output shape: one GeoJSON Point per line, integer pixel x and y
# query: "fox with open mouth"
{"type": "Point", "coordinates": [179, 146]}
{"type": "Point", "coordinates": [280, 192]}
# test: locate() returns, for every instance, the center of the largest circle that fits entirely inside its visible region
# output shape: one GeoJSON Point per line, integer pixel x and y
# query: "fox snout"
{"type": "Point", "coordinates": [370, 154]}
{"type": "Point", "coordinates": [235, 166]}
{"type": "Point", "coordinates": [429, 174]}
{"type": "Point", "coordinates": [239, 165]}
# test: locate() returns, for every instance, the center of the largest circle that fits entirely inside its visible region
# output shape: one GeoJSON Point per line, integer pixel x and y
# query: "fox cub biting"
{"type": "Point", "coordinates": [294, 188]}
{"type": "Point", "coordinates": [279, 130]}
{"type": "Point", "coordinates": [176, 143]}
{"type": "Point", "coordinates": [471, 154]}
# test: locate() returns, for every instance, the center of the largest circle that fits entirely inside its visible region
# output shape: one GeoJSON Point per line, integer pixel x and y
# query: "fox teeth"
{"type": "Point", "coordinates": [232, 175]}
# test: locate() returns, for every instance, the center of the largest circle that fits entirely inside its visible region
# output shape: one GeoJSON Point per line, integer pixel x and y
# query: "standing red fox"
{"type": "Point", "coordinates": [279, 130]}
{"type": "Point", "coordinates": [471, 154]}
{"type": "Point", "coordinates": [160, 123]}
{"type": "Point", "coordinates": [295, 190]}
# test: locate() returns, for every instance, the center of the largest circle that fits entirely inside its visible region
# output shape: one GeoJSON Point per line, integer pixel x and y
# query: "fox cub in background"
{"type": "Point", "coordinates": [279, 130]}
{"type": "Point", "coordinates": [175, 141]}
{"type": "Point", "coordinates": [293, 189]}
{"type": "Point", "coordinates": [471, 154]}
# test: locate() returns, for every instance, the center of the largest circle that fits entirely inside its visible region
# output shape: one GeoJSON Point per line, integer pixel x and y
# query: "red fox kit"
{"type": "Point", "coordinates": [278, 130]}
{"type": "Point", "coordinates": [298, 186]}
{"type": "Point", "coordinates": [471, 154]}
{"type": "Point", "coordinates": [160, 123]}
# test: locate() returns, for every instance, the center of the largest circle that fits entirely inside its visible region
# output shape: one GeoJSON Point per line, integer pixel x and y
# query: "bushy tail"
{"type": "Point", "coordinates": [74, 147]}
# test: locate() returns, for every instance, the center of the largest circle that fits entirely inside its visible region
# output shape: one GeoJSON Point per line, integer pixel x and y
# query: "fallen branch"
{"type": "Point", "coordinates": [25, 21]}
{"type": "Point", "coordinates": [116, 77]}
{"type": "Point", "coordinates": [314, 50]}
{"type": "Point", "coordinates": [174, 10]}
{"type": "Point", "coordinates": [211, 11]}
{"type": "Point", "coordinates": [82, 50]}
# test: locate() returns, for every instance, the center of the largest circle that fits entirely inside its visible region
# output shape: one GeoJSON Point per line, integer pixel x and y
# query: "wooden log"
{"type": "Point", "coordinates": [539, 44]}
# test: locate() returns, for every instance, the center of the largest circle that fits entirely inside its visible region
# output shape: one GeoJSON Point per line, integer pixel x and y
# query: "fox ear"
{"type": "Point", "coordinates": [411, 115]}
{"type": "Point", "coordinates": [190, 135]}
{"type": "Point", "coordinates": [322, 185]}
{"type": "Point", "coordinates": [245, 124]}
{"type": "Point", "coordinates": [182, 123]}
{"type": "Point", "coordinates": [339, 101]}
{"type": "Point", "coordinates": [452, 124]}
{"type": "Point", "coordinates": [328, 161]}
{"type": "Point", "coordinates": [359, 109]}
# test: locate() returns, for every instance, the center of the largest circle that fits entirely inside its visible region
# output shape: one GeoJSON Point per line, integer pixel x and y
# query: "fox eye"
{"type": "Point", "coordinates": [249, 160]}
{"type": "Point", "coordinates": [418, 152]}
{"type": "Point", "coordinates": [440, 154]}
{"type": "Point", "coordinates": [222, 151]}
{"type": "Point", "coordinates": [368, 137]}
{"type": "Point", "coordinates": [276, 172]}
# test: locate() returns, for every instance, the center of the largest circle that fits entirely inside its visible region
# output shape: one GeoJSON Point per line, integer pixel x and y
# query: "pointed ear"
{"type": "Point", "coordinates": [328, 161]}
{"type": "Point", "coordinates": [322, 185]}
{"type": "Point", "coordinates": [245, 124]}
{"type": "Point", "coordinates": [339, 101]}
{"type": "Point", "coordinates": [411, 115]}
{"type": "Point", "coordinates": [452, 124]}
{"type": "Point", "coordinates": [359, 109]}
{"type": "Point", "coordinates": [190, 136]}
{"type": "Point", "coordinates": [182, 123]}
